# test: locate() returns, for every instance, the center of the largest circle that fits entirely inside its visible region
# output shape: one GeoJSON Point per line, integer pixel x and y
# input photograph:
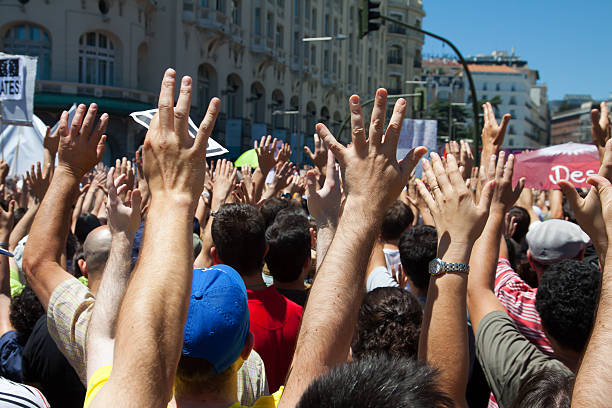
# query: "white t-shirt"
{"type": "Point", "coordinates": [380, 277]}
{"type": "Point", "coordinates": [14, 394]}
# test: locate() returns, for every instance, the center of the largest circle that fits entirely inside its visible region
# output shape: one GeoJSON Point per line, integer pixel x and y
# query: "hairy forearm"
{"type": "Point", "coordinates": [556, 204]}
{"type": "Point", "coordinates": [443, 340]}
{"type": "Point", "coordinates": [47, 238]}
{"type": "Point", "coordinates": [88, 202]}
{"type": "Point", "coordinates": [149, 346]}
{"type": "Point", "coordinates": [325, 235]}
{"type": "Point", "coordinates": [331, 313]}
{"type": "Point", "coordinates": [101, 331]}
{"type": "Point", "coordinates": [594, 377]}
{"type": "Point", "coordinates": [23, 226]}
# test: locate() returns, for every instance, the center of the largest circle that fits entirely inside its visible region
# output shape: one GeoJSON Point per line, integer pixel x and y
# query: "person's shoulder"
{"type": "Point", "coordinates": [16, 394]}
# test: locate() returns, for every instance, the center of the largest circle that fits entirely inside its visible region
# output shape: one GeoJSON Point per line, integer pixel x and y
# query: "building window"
{"type": "Point", "coordinates": [30, 40]}
{"type": "Point", "coordinates": [221, 6]}
{"type": "Point", "coordinates": [279, 36]}
{"type": "Point", "coordinates": [513, 88]}
{"type": "Point", "coordinates": [326, 60]}
{"type": "Point", "coordinates": [498, 87]}
{"type": "Point", "coordinates": [257, 23]}
{"type": "Point", "coordinates": [335, 63]}
{"type": "Point", "coordinates": [512, 100]}
{"type": "Point", "coordinates": [96, 59]}
{"type": "Point", "coordinates": [314, 19]}
{"type": "Point", "coordinates": [511, 130]}
{"type": "Point", "coordinates": [270, 25]}
{"type": "Point", "coordinates": [313, 53]}
{"type": "Point", "coordinates": [296, 8]}
{"type": "Point", "coordinates": [326, 25]}
{"type": "Point", "coordinates": [335, 26]}
{"type": "Point", "coordinates": [512, 113]}
{"type": "Point", "coordinates": [350, 74]}
{"type": "Point", "coordinates": [484, 87]}
{"type": "Point", "coordinates": [236, 12]}
{"type": "Point", "coordinates": [394, 55]}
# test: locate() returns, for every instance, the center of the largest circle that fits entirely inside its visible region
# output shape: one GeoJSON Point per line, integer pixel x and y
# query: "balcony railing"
{"type": "Point", "coordinates": [396, 29]}
{"type": "Point", "coordinates": [394, 59]}
{"type": "Point", "coordinates": [98, 91]}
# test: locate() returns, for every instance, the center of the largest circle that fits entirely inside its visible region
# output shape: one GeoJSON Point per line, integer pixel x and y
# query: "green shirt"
{"type": "Point", "coordinates": [507, 357]}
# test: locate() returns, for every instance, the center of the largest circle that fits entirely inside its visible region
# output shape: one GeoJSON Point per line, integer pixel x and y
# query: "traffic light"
{"type": "Point", "coordinates": [368, 11]}
{"type": "Point", "coordinates": [420, 100]}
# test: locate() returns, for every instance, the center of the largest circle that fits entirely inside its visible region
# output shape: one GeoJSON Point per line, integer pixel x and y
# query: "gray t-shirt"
{"type": "Point", "coordinates": [507, 358]}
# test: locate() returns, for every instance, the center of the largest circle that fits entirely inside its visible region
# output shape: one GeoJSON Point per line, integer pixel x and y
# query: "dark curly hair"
{"type": "Point", "coordinates": [418, 246]}
{"type": "Point", "coordinates": [25, 311]}
{"type": "Point", "coordinates": [377, 381]}
{"type": "Point", "coordinates": [521, 217]}
{"type": "Point", "coordinates": [389, 323]}
{"type": "Point", "coordinates": [397, 218]}
{"type": "Point", "coordinates": [566, 300]}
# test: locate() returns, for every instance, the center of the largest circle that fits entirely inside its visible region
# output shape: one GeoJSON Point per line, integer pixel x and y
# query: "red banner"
{"type": "Point", "coordinates": [544, 168]}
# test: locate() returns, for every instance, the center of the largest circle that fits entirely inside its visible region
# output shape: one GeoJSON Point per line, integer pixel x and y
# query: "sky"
{"type": "Point", "coordinates": [568, 42]}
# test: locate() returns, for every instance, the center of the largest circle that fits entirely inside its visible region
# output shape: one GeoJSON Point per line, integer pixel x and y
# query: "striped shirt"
{"type": "Point", "coordinates": [14, 394]}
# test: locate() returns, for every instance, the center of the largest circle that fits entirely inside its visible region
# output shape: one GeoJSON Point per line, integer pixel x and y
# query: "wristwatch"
{"type": "Point", "coordinates": [438, 267]}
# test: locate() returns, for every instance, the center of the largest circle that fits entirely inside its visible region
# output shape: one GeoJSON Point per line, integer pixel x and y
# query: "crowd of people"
{"type": "Point", "coordinates": [173, 281]}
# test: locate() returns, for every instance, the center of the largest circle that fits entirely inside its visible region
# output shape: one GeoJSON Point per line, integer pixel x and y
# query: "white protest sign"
{"type": "Point", "coordinates": [414, 133]}
{"type": "Point", "coordinates": [144, 118]}
{"type": "Point", "coordinates": [11, 79]}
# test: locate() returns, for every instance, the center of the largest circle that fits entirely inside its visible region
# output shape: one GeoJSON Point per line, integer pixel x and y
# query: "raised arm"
{"type": "Point", "coordinates": [600, 128]}
{"type": "Point", "coordinates": [481, 297]}
{"type": "Point", "coordinates": [153, 312]}
{"type": "Point", "coordinates": [444, 339]}
{"type": "Point", "coordinates": [123, 221]}
{"type": "Point", "coordinates": [324, 205]}
{"type": "Point", "coordinates": [6, 223]}
{"type": "Point", "coordinates": [588, 210]}
{"type": "Point", "coordinates": [373, 180]}
{"type": "Point", "coordinates": [50, 145]}
{"type": "Point", "coordinates": [492, 132]}
{"type": "Point", "coordinates": [265, 157]}
{"type": "Point", "coordinates": [80, 148]}
{"type": "Point", "coordinates": [594, 377]}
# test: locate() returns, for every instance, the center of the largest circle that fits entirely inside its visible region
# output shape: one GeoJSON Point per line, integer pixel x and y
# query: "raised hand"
{"type": "Point", "coordinates": [493, 132]}
{"type": "Point", "coordinates": [319, 157]}
{"type": "Point", "coordinates": [38, 181]}
{"type": "Point", "coordinates": [458, 220]}
{"type": "Point", "coordinates": [452, 147]}
{"type": "Point", "coordinates": [225, 179]}
{"type": "Point", "coordinates": [284, 154]}
{"type": "Point", "coordinates": [504, 195]}
{"type": "Point", "coordinates": [122, 217]}
{"type": "Point", "coordinates": [371, 170]}
{"type": "Point", "coordinates": [588, 210]}
{"type": "Point", "coordinates": [124, 167]}
{"type": "Point", "coordinates": [82, 146]}
{"type": "Point", "coordinates": [600, 128]}
{"type": "Point", "coordinates": [265, 153]}
{"type": "Point", "coordinates": [283, 175]}
{"type": "Point", "coordinates": [7, 220]}
{"type": "Point", "coordinates": [51, 141]}
{"type": "Point", "coordinates": [174, 163]}
{"type": "Point", "coordinates": [324, 204]}
{"type": "Point", "coordinates": [466, 159]}
{"type": "Point", "coordinates": [242, 195]}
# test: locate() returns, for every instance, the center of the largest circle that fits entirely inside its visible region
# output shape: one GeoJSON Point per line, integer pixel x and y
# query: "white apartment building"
{"type": "Point", "coordinates": [250, 53]}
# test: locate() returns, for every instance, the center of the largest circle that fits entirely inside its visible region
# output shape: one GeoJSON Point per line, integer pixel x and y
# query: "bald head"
{"type": "Point", "coordinates": [95, 251]}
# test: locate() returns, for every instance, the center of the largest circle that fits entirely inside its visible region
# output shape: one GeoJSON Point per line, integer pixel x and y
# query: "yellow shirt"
{"type": "Point", "coordinates": [100, 377]}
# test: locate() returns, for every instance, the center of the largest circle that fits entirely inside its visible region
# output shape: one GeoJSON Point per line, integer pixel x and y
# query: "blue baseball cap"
{"type": "Point", "coordinates": [217, 325]}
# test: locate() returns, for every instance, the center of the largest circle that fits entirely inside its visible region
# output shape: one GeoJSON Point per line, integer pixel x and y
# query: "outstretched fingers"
{"type": "Point", "coordinates": [377, 121]}
{"type": "Point", "coordinates": [410, 161]}
{"type": "Point", "coordinates": [334, 146]}
{"type": "Point", "coordinates": [357, 126]}
{"type": "Point", "coordinates": [166, 100]}
{"type": "Point", "coordinates": [183, 106]}
{"type": "Point", "coordinates": [207, 125]}
{"type": "Point", "coordinates": [394, 128]}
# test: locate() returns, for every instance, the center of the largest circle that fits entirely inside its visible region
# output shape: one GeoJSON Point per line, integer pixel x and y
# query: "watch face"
{"type": "Point", "coordinates": [435, 267]}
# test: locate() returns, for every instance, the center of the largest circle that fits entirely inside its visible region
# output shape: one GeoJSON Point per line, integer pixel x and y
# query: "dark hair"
{"type": "Point", "coordinates": [548, 388]}
{"type": "Point", "coordinates": [389, 322]}
{"type": "Point", "coordinates": [418, 246]}
{"type": "Point", "coordinates": [271, 208]}
{"type": "Point", "coordinates": [84, 225]}
{"type": "Point", "coordinates": [289, 242]}
{"type": "Point", "coordinates": [522, 219]}
{"type": "Point", "coordinates": [566, 301]}
{"type": "Point", "coordinates": [25, 311]}
{"type": "Point", "coordinates": [239, 235]}
{"type": "Point", "coordinates": [397, 218]}
{"type": "Point", "coordinates": [377, 381]}
{"type": "Point", "coordinates": [19, 213]}
{"type": "Point", "coordinates": [197, 375]}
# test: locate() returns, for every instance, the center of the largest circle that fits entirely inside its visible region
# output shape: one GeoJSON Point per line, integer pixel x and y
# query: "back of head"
{"type": "Point", "coordinates": [84, 225]}
{"type": "Point", "coordinates": [288, 245]}
{"type": "Point", "coordinates": [548, 388]}
{"type": "Point", "coordinates": [418, 246]}
{"type": "Point", "coordinates": [239, 235]}
{"type": "Point", "coordinates": [216, 330]}
{"type": "Point", "coordinates": [521, 217]}
{"type": "Point", "coordinates": [554, 240]}
{"type": "Point", "coordinates": [272, 207]}
{"type": "Point", "coordinates": [566, 300]}
{"type": "Point", "coordinates": [389, 322]}
{"type": "Point", "coordinates": [397, 218]}
{"type": "Point", "coordinates": [96, 249]}
{"type": "Point", "coordinates": [377, 381]}
{"type": "Point", "coordinates": [25, 311]}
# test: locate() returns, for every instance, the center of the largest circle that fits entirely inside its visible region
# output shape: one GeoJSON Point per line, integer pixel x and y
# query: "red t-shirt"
{"type": "Point", "coordinates": [275, 323]}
